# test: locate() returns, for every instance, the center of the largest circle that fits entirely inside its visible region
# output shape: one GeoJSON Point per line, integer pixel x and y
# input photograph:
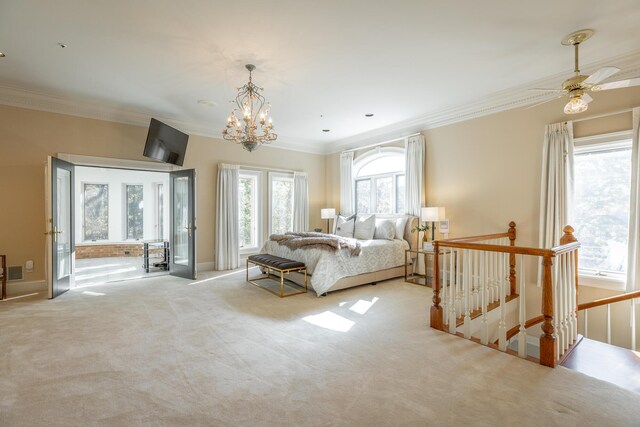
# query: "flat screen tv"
{"type": "Point", "coordinates": [165, 143]}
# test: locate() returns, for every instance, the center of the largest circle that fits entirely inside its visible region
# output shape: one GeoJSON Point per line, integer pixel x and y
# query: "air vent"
{"type": "Point", "coordinates": [15, 272]}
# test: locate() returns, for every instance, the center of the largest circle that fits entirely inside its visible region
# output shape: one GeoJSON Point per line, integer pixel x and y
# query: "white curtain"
{"type": "Point", "coordinates": [300, 202]}
{"type": "Point", "coordinates": [414, 172]}
{"type": "Point", "coordinates": [346, 183]}
{"type": "Point", "coordinates": [556, 189]}
{"type": "Point", "coordinates": [634, 217]}
{"type": "Point", "coordinates": [227, 218]}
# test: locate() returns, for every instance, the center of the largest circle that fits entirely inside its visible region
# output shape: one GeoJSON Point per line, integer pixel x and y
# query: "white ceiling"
{"type": "Point", "coordinates": [402, 60]}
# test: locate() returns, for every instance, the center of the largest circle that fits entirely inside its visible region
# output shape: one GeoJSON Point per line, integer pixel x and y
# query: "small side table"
{"type": "Point", "coordinates": [3, 276]}
{"type": "Point", "coordinates": [416, 278]}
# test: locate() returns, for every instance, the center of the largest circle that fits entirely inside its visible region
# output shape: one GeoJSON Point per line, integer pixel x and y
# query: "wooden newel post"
{"type": "Point", "coordinates": [436, 309]}
{"type": "Point", "coordinates": [548, 352]}
{"type": "Point", "coordinates": [512, 258]}
{"type": "Point", "coordinates": [568, 237]}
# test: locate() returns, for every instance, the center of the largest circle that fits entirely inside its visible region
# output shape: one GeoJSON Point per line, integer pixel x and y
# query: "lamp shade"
{"type": "Point", "coordinates": [327, 213]}
{"type": "Point", "coordinates": [433, 214]}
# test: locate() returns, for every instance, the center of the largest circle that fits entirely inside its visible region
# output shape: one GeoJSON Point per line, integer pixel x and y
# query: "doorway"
{"type": "Point", "coordinates": [110, 224]}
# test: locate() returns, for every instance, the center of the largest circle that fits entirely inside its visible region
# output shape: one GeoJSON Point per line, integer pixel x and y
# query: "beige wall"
{"type": "Point", "coordinates": [28, 136]}
{"type": "Point", "coordinates": [486, 172]}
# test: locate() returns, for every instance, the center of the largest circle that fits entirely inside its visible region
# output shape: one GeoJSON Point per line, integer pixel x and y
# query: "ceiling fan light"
{"type": "Point", "coordinates": [576, 105]}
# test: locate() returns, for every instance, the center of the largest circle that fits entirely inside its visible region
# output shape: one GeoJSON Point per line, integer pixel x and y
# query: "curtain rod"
{"type": "Point", "coordinates": [599, 116]}
{"type": "Point", "coordinates": [381, 143]}
{"type": "Point", "coordinates": [267, 169]}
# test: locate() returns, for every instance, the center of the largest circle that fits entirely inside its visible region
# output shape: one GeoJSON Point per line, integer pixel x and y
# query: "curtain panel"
{"type": "Point", "coordinates": [346, 183]}
{"type": "Point", "coordinates": [300, 202]}
{"type": "Point", "coordinates": [227, 242]}
{"type": "Point", "coordinates": [634, 217]}
{"type": "Point", "coordinates": [415, 148]}
{"type": "Point", "coordinates": [556, 188]}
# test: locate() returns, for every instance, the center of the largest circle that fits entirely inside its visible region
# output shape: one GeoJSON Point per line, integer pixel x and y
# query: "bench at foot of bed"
{"type": "Point", "coordinates": [281, 265]}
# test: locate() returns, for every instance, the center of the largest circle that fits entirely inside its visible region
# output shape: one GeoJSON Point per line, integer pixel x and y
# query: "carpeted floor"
{"type": "Point", "coordinates": [165, 351]}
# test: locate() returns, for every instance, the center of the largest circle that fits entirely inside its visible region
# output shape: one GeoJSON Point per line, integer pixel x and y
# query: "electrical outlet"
{"type": "Point", "coordinates": [28, 266]}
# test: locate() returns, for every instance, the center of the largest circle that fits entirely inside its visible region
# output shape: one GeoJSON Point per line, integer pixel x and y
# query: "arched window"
{"type": "Point", "coordinates": [379, 181]}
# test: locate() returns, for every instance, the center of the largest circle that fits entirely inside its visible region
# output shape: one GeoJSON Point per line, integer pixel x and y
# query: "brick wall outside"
{"type": "Point", "coordinates": [110, 250]}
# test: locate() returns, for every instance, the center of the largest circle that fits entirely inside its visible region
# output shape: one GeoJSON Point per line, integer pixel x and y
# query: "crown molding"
{"type": "Point", "coordinates": [22, 98]}
{"type": "Point", "coordinates": [516, 97]}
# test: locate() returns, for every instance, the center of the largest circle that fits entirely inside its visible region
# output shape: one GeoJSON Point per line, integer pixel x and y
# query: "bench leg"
{"type": "Point", "coordinates": [281, 284]}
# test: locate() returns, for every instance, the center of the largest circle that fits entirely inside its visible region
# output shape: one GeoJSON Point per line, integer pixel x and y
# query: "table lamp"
{"type": "Point", "coordinates": [328, 213]}
{"type": "Point", "coordinates": [432, 215]}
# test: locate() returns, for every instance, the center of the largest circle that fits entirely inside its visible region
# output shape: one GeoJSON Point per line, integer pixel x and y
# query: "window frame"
{"type": "Point", "coordinates": [159, 216]}
{"type": "Point", "coordinates": [370, 156]}
{"type": "Point", "coordinates": [258, 215]}
{"type": "Point", "coordinates": [126, 211]}
{"type": "Point", "coordinates": [84, 212]}
{"type": "Point", "coordinates": [278, 176]}
{"type": "Point", "coordinates": [595, 144]}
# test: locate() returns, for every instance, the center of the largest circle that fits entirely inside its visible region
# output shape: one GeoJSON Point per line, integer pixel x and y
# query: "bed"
{"type": "Point", "coordinates": [330, 271]}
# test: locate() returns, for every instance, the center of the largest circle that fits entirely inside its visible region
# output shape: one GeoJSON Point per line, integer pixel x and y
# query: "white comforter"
{"type": "Point", "coordinates": [329, 267]}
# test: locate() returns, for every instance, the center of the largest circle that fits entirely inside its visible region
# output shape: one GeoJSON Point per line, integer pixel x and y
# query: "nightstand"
{"type": "Point", "coordinates": [423, 279]}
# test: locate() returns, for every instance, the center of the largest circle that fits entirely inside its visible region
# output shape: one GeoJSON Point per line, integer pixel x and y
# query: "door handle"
{"type": "Point", "coordinates": [189, 228]}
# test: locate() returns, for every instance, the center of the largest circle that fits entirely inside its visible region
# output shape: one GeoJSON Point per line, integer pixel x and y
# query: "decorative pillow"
{"type": "Point", "coordinates": [345, 225]}
{"type": "Point", "coordinates": [365, 227]}
{"type": "Point", "coordinates": [401, 224]}
{"type": "Point", "coordinates": [385, 229]}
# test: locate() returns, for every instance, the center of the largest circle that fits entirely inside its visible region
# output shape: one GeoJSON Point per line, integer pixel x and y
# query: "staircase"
{"type": "Point", "coordinates": [479, 293]}
{"type": "Point", "coordinates": [481, 273]}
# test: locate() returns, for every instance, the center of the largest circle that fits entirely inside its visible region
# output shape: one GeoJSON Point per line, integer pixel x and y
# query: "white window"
{"type": "Point", "coordinates": [280, 203]}
{"type": "Point", "coordinates": [159, 211]}
{"type": "Point", "coordinates": [95, 220]}
{"type": "Point", "coordinates": [249, 210]}
{"type": "Point", "coordinates": [601, 209]}
{"type": "Point", "coordinates": [134, 195]}
{"type": "Point", "coordinates": [380, 181]}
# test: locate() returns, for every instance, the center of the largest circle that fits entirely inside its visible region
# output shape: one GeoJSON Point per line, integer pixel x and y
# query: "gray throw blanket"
{"type": "Point", "coordinates": [327, 242]}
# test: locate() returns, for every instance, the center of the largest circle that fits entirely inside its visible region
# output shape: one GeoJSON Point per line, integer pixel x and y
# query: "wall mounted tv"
{"type": "Point", "coordinates": [165, 143]}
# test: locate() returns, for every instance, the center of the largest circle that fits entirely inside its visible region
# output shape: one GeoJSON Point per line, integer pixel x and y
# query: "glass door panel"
{"type": "Point", "coordinates": [61, 226]}
{"type": "Point", "coordinates": [183, 228]}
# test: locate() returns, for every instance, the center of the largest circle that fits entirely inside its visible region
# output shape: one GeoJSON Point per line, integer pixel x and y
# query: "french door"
{"type": "Point", "coordinates": [60, 239]}
{"type": "Point", "coordinates": [182, 195]}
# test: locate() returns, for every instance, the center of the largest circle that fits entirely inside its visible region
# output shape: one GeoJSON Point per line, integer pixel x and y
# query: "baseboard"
{"type": "Point", "coordinates": [206, 266]}
{"type": "Point", "coordinates": [21, 288]}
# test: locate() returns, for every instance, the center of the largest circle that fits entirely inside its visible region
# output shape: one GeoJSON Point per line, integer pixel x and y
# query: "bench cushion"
{"type": "Point", "coordinates": [276, 261]}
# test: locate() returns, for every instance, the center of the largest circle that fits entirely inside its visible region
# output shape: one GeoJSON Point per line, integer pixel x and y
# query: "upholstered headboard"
{"type": "Point", "coordinates": [412, 223]}
{"type": "Point", "coordinates": [410, 237]}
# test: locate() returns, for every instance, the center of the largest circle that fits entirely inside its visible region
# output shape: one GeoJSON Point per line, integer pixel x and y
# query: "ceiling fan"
{"type": "Point", "coordinates": [577, 88]}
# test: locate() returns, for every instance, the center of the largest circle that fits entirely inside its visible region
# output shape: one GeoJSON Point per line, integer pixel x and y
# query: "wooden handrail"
{"type": "Point", "coordinates": [476, 238]}
{"type": "Point", "coordinates": [609, 300]}
{"type": "Point", "coordinates": [529, 323]}
{"type": "Point", "coordinates": [520, 250]}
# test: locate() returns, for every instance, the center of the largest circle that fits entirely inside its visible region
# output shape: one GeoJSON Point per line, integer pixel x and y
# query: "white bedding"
{"type": "Point", "coordinates": [329, 267]}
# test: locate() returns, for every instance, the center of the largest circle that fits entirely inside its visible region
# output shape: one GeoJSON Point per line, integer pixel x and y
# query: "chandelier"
{"type": "Point", "coordinates": [245, 130]}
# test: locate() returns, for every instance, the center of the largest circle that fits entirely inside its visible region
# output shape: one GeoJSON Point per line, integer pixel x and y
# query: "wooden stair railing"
{"type": "Point", "coordinates": [474, 274]}
{"type": "Point", "coordinates": [629, 296]}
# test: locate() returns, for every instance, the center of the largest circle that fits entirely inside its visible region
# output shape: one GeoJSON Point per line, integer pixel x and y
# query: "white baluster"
{"type": "Point", "coordinates": [502, 324]}
{"type": "Point", "coordinates": [633, 325]}
{"type": "Point", "coordinates": [476, 281]}
{"type": "Point", "coordinates": [573, 316]}
{"type": "Point", "coordinates": [443, 288]}
{"type": "Point", "coordinates": [466, 284]}
{"type": "Point", "coordinates": [484, 278]}
{"type": "Point", "coordinates": [566, 289]}
{"type": "Point", "coordinates": [522, 335]}
{"type": "Point", "coordinates": [608, 323]}
{"type": "Point", "coordinates": [586, 322]}
{"type": "Point", "coordinates": [453, 265]}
